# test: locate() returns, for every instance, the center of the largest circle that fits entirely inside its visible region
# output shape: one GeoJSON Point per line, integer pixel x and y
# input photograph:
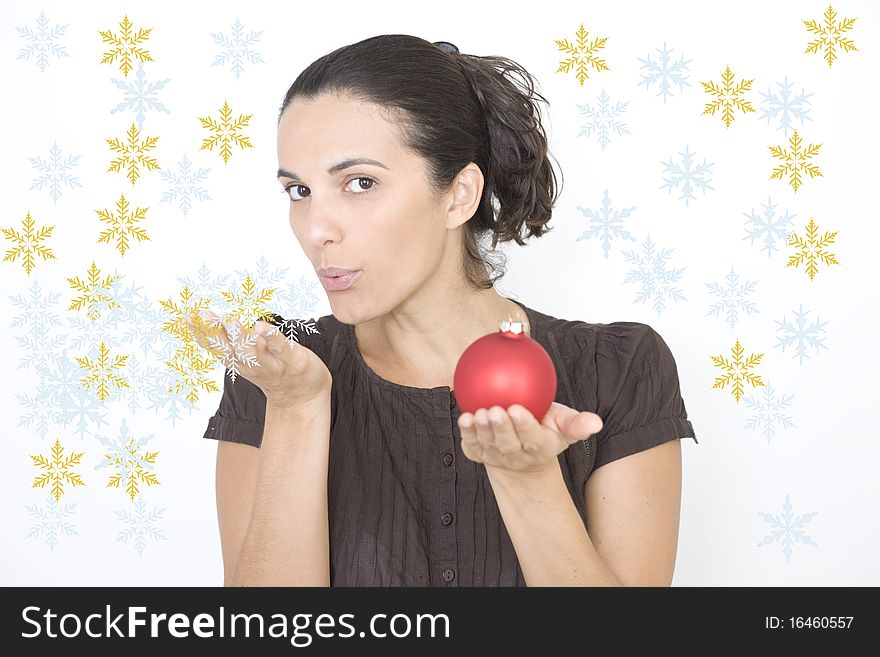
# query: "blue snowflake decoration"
{"type": "Point", "coordinates": [139, 96]}
{"type": "Point", "coordinates": [784, 107]}
{"type": "Point", "coordinates": [688, 175]}
{"type": "Point", "coordinates": [39, 339]}
{"type": "Point", "coordinates": [652, 273]}
{"type": "Point", "coordinates": [237, 48]}
{"type": "Point", "coordinates": [666, 72]}
{"type": "Point", "coordinates": [606, 223]}
{"type": "Point", "coordinates": [787, 530]}
{"type": "Point", "coordinates": [139, 525]}
{"type": "Point", "coordinates": [800, 334]}
{"type": "Point", "coordinates": [732, 298]}
{"type": "Point", "coordinates": [184, 186]}
{"type": "Point", "coordinates": [206, 285]}
{"type": "Point", "coordinates": [56, 172]}
{"type": "Point", "coordinates": [768, 227]}
{"type": "Point", "coordinates": [43, 42]}
{"type": "Point", "coordinates": [41, 413]}
{"type": "Point", "coordinates": [769, 412]}
{"type": "Point", "coordinates": [52, 521]}
{"type": "Point", "coordinates": [603, 119]}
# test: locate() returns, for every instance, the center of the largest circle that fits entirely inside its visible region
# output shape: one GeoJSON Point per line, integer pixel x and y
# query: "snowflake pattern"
{"type": "Point", "coordinates": [830, 35]}
{"type": "Point", "coordinates": [38, 339]}
{"type": "Point", "coordinates": [666, 72]}
{"type": "Point", "coordinates": [56, 172]}
{"type": "Point", "coordinates": [206, 284]}
{"type": "Point", "coordinates": [812, 249]}
{"type": "Point", "coordinates": [125, 45]}
{"type": "Point", "coordinates": [139, 525]}
{"type": "Point", "coordinates": [728, 97]}
{"type": "Point", "coordinates": [52, 520]}
{"type": "Point", "coordinates": [183, 186]}
{"type": "Point", "coordinates": [40, 413]}
{"type": "Point", "coordinates": [237, 48]}
{"type": "Point", "coordinates": [226, 132]}
{"type": "Point", "coordinates": [732, 298]}
{"type": "Point", "coordinates": [249, 305]}
{"type": "Point", "coordinates": [28, 243]}
{"type": "Point", "coordinates": [687, 175]}
{"type": "Point", "coordinates": [768, 226]}
{"type": "Point", "coordinates": [800, 334]}
{"type": "Point", "coordinates": [795, 161]}
{"type": "Point", "coordinates": [122, 225]}
{"type": "Point", "coordinates": [94, 292]}
{"type": "Point", "coordinates": [606, 223]}
{"type": "Point", "coordinates": [192, 372]}
{"type": "Point", "coordinates": [133, 154]}
{"type": "Point", "coordinates": [769, 412]}
{"type": "Point", "coordinates": [787, 530]}
{"type": "Point", "coordinates": [784, 107]}
{"type": "Point", "coordinates": [232, 352]}
{"type": "Point", "coordinates": [603, 119]}
{"type": "Point", "coordinates": [57, 470]}
{"type": "Point", "coordinates": [738, 370]}
{"type": "Point", "coordinates": [130, 464]}
{"type": "Point", "coordinates": [43, 42]}
{"type": "Point", "coordinates": [656, 280]}
{"type": "Point", "coordinates": [582, 55]}
{"type": "Point", "coordinates": [140, 96]}
{"type": "Point", "coordinates": [102, 372]}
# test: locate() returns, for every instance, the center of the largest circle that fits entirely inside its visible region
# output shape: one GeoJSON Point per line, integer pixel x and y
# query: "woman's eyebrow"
{"type": "Point", "coordinates": [345, 164]}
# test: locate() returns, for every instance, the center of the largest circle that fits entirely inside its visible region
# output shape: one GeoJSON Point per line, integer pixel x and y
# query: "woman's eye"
{"type": "Point", "coordinates": [362, 190]}
{"type": "Point", "coordinates": [292, 193]}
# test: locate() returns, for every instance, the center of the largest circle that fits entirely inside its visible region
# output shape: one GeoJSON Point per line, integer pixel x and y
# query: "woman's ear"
{"type": "Point", "coordinates": [467, 189]}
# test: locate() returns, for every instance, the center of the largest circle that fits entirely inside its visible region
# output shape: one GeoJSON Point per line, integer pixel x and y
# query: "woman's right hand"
{"type": "Point", "coordinates": [288, 373]}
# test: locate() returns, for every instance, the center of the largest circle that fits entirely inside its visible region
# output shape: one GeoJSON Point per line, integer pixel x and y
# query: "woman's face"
{"type": "Point", "coordinates": [375, 217]}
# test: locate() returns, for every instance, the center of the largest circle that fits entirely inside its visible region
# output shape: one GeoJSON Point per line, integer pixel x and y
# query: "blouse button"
{"type": "Point", "coordinates": [448, 575]}
{"type": "Point", "coordinates": [447, 459]}
{"type": "Point", "coordinates": [446, 519]}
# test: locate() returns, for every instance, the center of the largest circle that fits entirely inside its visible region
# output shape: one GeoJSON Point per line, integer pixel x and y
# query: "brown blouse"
{"type": "Point", "coordinates": [406, 507]}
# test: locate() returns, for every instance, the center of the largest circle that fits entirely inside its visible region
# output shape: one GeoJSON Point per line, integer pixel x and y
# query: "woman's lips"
{"type": "Point", "coordinates": [339, 283]}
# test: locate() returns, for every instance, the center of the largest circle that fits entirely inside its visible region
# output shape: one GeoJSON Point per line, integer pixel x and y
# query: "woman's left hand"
{"type": "Point", "coordinates": [514, 441]}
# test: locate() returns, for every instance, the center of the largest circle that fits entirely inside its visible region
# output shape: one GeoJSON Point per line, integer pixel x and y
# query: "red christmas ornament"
{"type": "Point", "coordinates": [505, 368]}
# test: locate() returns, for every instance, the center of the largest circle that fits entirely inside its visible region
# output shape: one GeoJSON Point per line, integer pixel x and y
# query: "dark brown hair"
{"type": "Point", "coordinates": [453, 109]}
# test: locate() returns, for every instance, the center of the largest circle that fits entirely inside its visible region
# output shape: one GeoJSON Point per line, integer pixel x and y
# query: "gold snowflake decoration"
{"type": "Point", "coordinates": [93, 292]}
{"type": "Point", "coordinates": [830, 35]}
{"type": "Point", "coordinates": [103, 372]}
{"type": "Point", "coordinates": [122, 225]}
{"type": "Point", "coordinates": [796, 161]}
{"type": "Point", "coordinates": [132, 467]}
{"type": "Point", "coordinates": [249, 306]}
{"type": "Point", "coordinates": [812, 250]}
{"type": "Point", "coordinates": [28, 243]}
{"type": "Point", "coordinates": [193, 370]}
{"type": "Point", "coordinates": [133, 154]}
{"type": "Point", "coordinates": [226, 132]}
{"type": "Point", "coordinates": [728, 96]}
{"type": "Point", "coordinates": [582, 55]}
{"type": "Point", "coordinates": [737, 370]}
{"type": "Point", "coordinates": [125, 45]}
{"type": "Point", "coordinates": [180, 312]}
{"type": "Point", "coordinates": [58, 470]}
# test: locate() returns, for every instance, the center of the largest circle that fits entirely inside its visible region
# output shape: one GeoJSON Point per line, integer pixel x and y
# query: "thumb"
{"type": "Point", "coordinates": [583, 425]}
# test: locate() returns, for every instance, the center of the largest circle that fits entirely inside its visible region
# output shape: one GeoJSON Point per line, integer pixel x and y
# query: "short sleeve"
{"type": "Point", "coordinates": [638, 392]}
{"type": "Point", "coordinates": [241, 414]}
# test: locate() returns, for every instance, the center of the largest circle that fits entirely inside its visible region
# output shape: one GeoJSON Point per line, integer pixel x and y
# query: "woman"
{"type": "Point", "coordinates": [367, 474]}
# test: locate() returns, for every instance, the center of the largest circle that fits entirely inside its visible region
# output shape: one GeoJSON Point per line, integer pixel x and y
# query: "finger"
{"type": "Point", "coordinates": [507, 440]}
{"type": "Point", "coordinates": [484, 435]}
{"type": "Point", "coordinates": [469, 444]}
